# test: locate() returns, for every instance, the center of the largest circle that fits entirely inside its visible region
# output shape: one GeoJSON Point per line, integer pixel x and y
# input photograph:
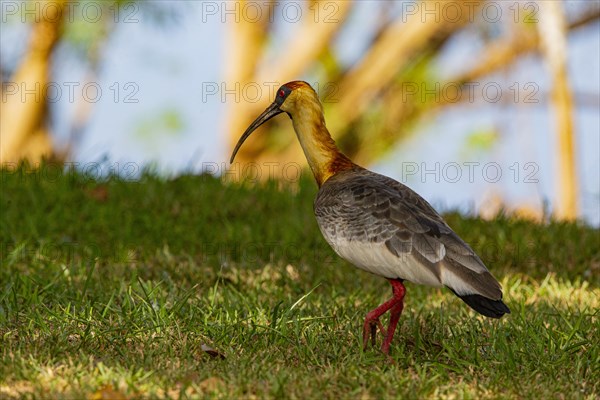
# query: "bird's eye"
{"type": "Point", "coordinates": [281, 93]}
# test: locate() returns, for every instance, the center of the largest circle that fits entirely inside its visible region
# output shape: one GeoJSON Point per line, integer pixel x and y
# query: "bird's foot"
{"type": "Point", "coordinates": [385, 347]}
{"type": "Point", "coordinates": [370, 330]}
{"type": "Point", "coordinates": [395, 306]}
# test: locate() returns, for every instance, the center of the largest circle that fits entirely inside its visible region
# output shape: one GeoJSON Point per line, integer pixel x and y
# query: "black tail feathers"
{"type": "Point", "coordinates": [483, 305]}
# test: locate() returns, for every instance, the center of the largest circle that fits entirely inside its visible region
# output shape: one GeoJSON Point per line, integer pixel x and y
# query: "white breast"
{"type": "Point", "coordinates": [377, 259]}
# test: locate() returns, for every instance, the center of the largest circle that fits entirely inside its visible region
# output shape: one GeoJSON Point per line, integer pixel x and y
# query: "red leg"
{"type": "Point", "coordinates": [395, 304]}
{"type": "Point", "coordinates": [394, 318]}
{"type": "Point", "coordinates": [372, 322]}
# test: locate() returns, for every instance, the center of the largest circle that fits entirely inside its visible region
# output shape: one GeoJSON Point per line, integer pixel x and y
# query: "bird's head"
{"type": "Point", "coordinates": [288, 99]}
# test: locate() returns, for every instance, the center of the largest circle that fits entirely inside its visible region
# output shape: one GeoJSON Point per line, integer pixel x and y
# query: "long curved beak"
{"type": "Point", "coordinates": [269, 113]}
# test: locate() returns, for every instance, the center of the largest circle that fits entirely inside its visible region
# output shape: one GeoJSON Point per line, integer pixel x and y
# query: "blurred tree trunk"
{"type": "Point", "coordinates": [553, 34]}
{"type": "Point", "coordinates": [23, 112]}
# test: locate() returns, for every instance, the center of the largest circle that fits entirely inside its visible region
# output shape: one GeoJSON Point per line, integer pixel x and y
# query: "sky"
{"type": "Point", "coordinates": [152, 104]}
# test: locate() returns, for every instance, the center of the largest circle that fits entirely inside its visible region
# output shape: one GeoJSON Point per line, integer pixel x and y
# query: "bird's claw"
{"type": "Point", "coordinates": [373, 334]}
{"type": "Point", "coordinates": [370, 330]}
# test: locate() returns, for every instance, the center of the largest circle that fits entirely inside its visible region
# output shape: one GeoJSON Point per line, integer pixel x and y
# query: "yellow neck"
{"type": "Point", "coordinates": [323, 156]}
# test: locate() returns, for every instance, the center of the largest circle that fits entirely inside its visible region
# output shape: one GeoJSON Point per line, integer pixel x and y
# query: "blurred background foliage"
{"type": "Point", "coordinates": [367, 107]}
{"type": "Point", "coordinates": [25, 128]}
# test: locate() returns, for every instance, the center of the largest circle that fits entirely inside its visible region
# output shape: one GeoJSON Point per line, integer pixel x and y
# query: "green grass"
{"type": "Point", "coordinates": [112, 288]}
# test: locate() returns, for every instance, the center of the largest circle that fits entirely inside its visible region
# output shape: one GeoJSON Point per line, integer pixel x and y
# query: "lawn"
{"type": "Point", "coordinates": [194, 287]}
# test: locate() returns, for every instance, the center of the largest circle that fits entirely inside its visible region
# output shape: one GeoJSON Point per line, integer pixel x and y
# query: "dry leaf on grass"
{"type": "Point", "coordinates": [212, 352]}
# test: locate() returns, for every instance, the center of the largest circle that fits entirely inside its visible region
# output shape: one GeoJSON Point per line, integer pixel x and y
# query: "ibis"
{"type": "Point", "coordinates": [378, 224]}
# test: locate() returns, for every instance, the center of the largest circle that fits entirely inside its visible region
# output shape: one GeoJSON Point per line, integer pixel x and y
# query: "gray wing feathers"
{"type": "Point", "coordinates": [429, 247]}
{"type": "Point", "coordinates": [482, 283]}
{"type": "Point", "coordinates": [368, 207]}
